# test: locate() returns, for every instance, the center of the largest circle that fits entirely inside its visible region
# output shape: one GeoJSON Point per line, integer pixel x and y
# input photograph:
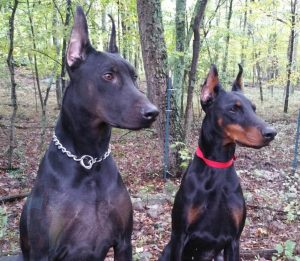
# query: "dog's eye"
{"type": "Point", "coordinates": [235, 108]}
{"type": "Point", "coordinates": [135, 77]}
{"type": "Point", "coordinates": [254, 107]}
{"type": "Point", "coordinates": [108, 76]}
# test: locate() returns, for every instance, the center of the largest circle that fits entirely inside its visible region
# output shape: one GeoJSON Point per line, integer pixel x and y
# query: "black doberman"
{"type": "Point", "coordinates": [209, 211]}
{"type": "Point", "coordinates": [79, 206]}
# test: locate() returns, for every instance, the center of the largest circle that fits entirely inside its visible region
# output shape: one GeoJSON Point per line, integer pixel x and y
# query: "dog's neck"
{"type": "Point", "coordinates": [83, 137]}
{"type": "Point", "coordinates": [211, 144]}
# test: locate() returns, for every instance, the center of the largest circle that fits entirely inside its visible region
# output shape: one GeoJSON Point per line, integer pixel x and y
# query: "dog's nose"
{"type": "Point", "coordinates": [269, 133]}
{"type": "Point", "coordinates": [150, 112]}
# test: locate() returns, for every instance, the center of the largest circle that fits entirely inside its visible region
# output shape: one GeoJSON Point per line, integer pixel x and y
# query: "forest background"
{"type": "Point", "coordinates": [171, 44]}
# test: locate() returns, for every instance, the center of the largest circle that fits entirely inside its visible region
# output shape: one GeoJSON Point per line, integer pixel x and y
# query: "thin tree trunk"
{"type": "Point", "coordinates": [291, 52]}
{"type": "Point", "coordinates": [11, 67]}
{"type": "Point", "coordinates": [227, 39]}
{"type": "Point", "coordinates": [258, 69]}
{"type": "Point", "coordinates": [192, 73]}
{"type": "Point", "coordinates": [57, 50]}
{"type": "Point", "coordinates": [64, 47]}
{"type": "Point", "coordinates": [244, 41]}
{"type": "Point", "coordinates": [36, 71]}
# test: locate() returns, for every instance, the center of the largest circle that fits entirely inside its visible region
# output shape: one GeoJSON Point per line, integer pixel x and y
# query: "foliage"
{"type": "Point", "coordinates": [184, 154]}
{"type": "Point", "coordinates": [291, 196]}
{"type": "Point", "coordinates": [285, 251]}
{"type": "Point", "coordinates": [3, 222]}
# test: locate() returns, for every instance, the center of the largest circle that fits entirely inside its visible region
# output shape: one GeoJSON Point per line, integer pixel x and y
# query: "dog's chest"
{"type": "Point", "coordinates": [89, 216]}
{"type": "Point", "coordinates": [214, 201]}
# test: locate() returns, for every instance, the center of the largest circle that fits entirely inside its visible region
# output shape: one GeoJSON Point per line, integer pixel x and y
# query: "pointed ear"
{"type": "Point", "coordinates": [210, 87]}
{"type": "Point", "coordinates": [113, 48]}
{"type": "Point", "coordinates": [238, 83]}
{"type": "Point", "coordinates": [79, 40]}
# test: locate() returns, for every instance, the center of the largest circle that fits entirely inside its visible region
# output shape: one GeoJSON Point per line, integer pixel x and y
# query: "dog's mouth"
{"type": "Point", "coordinates": [137, 126]}
{"type": "Point", "coordinates": [254, 146]}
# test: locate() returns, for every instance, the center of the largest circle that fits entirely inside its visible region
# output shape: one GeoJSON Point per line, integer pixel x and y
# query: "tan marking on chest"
{"type": "Point", "coordinates": [237, 215]}
{"type": "Point", "coordinates": [193, 214]}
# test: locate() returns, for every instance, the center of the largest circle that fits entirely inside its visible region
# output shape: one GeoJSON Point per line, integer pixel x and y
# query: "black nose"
{"type": "Point", "coordinates": [269, 133]}
{"type": "Point", "coordinates": [150, 112]}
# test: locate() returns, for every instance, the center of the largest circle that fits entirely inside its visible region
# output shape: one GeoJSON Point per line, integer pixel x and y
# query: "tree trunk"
{"type": "Point", "coordinates": [64, 47]}
{"type": "Point", "coordinates": [179, 64]}
{"type": "Point", "coordinates": [193, 70]}
{"type": "Point", "coordinates": [258, 69]}
{"type": "Point", "coordinates": [36, 71]}
{"type": "Point", "coordinates": [244, 41]}
{"type": "Point", "coordinates": [290, 54]}
{"type": "Point", "coordinates": [11, 67]}
{"type": "Point", "coordinates": [154, 57]}
{"type": "Point", "coordinates": [227, 39]}
{"type": "Point", "coordinates": [57, 50]}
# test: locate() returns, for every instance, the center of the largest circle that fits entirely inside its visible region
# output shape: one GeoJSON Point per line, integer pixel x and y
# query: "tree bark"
{"type": "Point", "coordinates": [290, 54]}
{"type": "Point", "coordinates": [154, 56]}
{"type": "Point", "coordinates": [11, 67]}
{"type": "Point", "coordinates": [179, 64]}
{"type": "Point", "coordinates": [192, 73]}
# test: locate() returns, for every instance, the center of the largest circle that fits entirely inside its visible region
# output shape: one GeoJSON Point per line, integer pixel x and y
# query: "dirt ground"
{"type": "Point", "coordinates": [272, 192]}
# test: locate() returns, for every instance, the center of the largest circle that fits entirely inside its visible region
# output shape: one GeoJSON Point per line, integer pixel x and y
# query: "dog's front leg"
{"type": "Point", "coordinates": [177, 245]}
{"type": "Point", "coordinates": [232, 251]}
{"type": "Point", "coordinates": [123, 251]}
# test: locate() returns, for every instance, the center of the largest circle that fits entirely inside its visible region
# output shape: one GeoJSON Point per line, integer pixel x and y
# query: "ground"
{"type": "Point", "coordinates": [271, 190]}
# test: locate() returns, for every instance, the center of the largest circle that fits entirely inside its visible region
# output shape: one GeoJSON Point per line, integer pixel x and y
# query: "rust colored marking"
{"type": "Point", "coordinates": [250, 136]}
{"type": "Point", "coordinates": [237, 215]}
{"type": "Point", "coordinates": [193, 214]}
{"type": "Point", "coordinates": [238, 103]}
{"type": "Point", "coordinates": [220, 122]}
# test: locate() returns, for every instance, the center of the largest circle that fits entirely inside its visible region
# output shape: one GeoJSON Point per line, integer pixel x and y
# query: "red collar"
{"type": "Point", "coordinates": [214, 164]}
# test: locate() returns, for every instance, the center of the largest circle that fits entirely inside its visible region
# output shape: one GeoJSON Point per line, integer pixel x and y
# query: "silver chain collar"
{"type": "Point", "coordinates": [85, 161]}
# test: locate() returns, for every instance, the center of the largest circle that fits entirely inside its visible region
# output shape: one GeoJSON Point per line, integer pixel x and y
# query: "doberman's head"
{"type": "Point", "coordinates": [103, 85]}
{"type": "Point", "coordinates": [232, 114]}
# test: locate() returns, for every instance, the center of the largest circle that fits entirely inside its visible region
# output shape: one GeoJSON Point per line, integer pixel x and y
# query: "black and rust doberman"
{"type": "Point", "coordinates": [79, 206]}
{"type": "Point", "coordinates": [209, 211]}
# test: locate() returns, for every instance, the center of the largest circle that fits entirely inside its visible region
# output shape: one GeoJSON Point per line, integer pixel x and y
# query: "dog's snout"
{"type": "Point", "coordinates": [150, 112]}
{"type": "Point", "coordinates": [269, 133]}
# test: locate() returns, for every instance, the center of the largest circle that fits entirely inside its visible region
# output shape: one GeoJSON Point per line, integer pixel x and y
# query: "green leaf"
{"type": "Point", "coordinates": [279, 249]}
{"type": "Point", "coordinates": [289, 248]}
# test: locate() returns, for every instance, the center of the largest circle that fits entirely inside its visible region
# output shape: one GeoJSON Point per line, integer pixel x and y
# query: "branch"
{"type": "Point", "coordinates": [11, 198]}
{"type": "Point", "coordinates": [38, 51]}
{"type": "Point", "coordinates": [58, 10]}
{"type": "Point", "coordinates": [251, 254]}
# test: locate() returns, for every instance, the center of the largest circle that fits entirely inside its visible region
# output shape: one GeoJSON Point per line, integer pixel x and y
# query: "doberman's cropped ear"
{"type": "Point", "coordinates": [79, 40]}
{"type": "Point", "coordinates": [238, 83]}
{"type": "Point", "coordinates": [113, 48]}
{"type": "Point", "coordinates": [210, 87]}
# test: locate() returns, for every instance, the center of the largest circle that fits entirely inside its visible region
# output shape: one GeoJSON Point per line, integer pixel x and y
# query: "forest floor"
{"type": "Point", "coordinates": [272, 193]}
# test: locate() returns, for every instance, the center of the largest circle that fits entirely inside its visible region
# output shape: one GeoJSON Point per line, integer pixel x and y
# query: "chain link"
{"type": "Point", "coordinates": [85, 161]}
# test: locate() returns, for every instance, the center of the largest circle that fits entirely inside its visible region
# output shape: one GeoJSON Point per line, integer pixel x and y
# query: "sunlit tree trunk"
{"type": "Point", "coordinates": [13, 95]}
{"type": "Point", "coordinates": [192, 73]}
{"type": "Point", "coordinates": [290, 54]}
